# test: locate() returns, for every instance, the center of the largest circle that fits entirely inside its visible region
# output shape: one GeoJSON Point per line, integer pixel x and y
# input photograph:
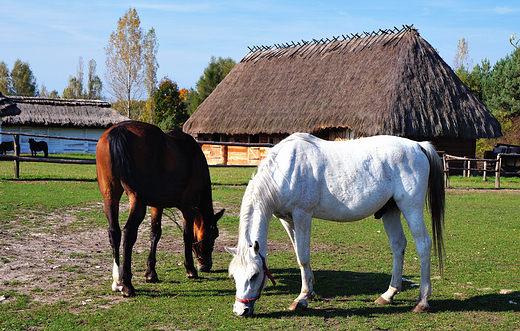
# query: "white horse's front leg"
{"type": "Point", "coordinates": [300, 232]}
{"type": "Point", "coordinates": [394, 231]}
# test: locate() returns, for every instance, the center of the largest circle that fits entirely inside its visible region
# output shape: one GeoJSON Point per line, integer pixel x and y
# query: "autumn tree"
{"type": "Point", "coordinates": [214, 73]}
{"type": "Point", "coordinates": [22, 80]}
{"type": "Point", "coordinates": [127, 60]}
{"type": "Point", "coordinates": [170, 108]}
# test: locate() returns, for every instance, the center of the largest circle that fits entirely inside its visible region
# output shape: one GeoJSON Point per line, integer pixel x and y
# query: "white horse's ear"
{"type": "Point", "coordinates": [256, 247]}
{"type": "Point", "coordinates": [230, 250]}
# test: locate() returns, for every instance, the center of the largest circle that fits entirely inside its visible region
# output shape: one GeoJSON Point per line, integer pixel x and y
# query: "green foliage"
{"type": "Point", "coordinates": [94, 84]}
{"type": "Point", "coordinates": [214, 73]}
{"type": "Point", "coordinates": [503, 86]}
{"type": "Point", "coordinates": [498, 87]}
{"type": "Point", "coordinates": [22, 80]}
{"type": "Point", "coordinates": [75, 89]}
{"type": "Point", "coordinates": [170, 109]}
{"type": "Point", "coordinates": [5, 79]}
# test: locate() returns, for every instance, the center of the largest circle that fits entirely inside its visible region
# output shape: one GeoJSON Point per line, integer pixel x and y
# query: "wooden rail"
{"type": "Point", "coordinates": [469, 165]}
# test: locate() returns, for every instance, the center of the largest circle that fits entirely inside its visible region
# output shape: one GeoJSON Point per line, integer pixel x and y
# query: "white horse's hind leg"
{"type": "Point", "coordinates": [300, 232]}
{"type": "Point", "coordinates": [394, 231]}
{"type": "Point", "coordinates": [423, 244]}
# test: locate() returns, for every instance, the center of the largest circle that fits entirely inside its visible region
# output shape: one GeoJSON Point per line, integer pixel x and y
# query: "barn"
{"type": "Point", "coordinates": [62, 118]}
{"type": "Point", "coordinates": [387, 82]}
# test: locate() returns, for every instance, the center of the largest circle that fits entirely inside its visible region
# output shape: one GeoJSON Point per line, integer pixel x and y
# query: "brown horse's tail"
{"type": "Point", "coordinates": [121, 155]}
{"type": "Point", "coordinates": [436, 200]}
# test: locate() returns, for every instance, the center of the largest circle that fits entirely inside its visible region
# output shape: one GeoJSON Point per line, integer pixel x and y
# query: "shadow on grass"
{"type": "Point", "coordinates": [342, 286]}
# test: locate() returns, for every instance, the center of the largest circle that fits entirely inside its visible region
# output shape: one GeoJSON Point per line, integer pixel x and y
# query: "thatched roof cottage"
{"type": "Point", "coordinates": [7, 107]}
{"type": "Point", "coordinates": [389, 82]}
{"type": "Point", "coordinates": [60, 117]}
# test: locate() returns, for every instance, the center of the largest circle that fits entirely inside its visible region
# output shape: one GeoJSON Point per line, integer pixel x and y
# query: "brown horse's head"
{"type": "Point", "coordinates": [204, 235]}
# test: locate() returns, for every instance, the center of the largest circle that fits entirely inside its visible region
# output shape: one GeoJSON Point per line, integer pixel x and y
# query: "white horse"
{"type": "Point", "coordinates": [305, 177]}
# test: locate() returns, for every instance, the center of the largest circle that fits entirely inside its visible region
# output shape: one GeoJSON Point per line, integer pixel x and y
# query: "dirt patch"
{"type": "Point", "coordinates": [52, 259]}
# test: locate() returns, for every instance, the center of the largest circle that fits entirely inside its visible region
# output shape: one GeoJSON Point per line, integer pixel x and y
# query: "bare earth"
{"type": "Point", "coordinates": [57, 262]}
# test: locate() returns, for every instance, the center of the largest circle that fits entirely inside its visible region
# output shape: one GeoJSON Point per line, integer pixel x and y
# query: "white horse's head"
{"type": "Point", "coordinates": [250, 272]}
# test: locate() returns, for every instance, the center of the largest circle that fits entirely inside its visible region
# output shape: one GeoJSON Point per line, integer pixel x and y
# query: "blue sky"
{"type": "Point", "coordinates": [52, 35]}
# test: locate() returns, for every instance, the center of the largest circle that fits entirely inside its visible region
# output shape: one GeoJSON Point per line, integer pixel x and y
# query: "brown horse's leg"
{"type": "Point", "coordinates": [114, 235]}
{"type": "Point", "coordinates": [155, 235]}
{"type": "Point", "coordinates": [137, 213]}
{"type": "Point", "coordinates": [188, 217]}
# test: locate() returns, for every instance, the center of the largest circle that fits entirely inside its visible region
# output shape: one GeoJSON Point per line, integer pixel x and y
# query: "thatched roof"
{"type": "Point", "coordinates": [385, 82]}
{"type": "Point", "coordinates": [8, 107]}
{"type": "Point", "coordinates": [63, 112]}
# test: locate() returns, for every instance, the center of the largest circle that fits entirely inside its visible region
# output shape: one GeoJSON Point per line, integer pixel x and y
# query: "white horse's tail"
{"type": "Point", "coordinates": [436, 199]}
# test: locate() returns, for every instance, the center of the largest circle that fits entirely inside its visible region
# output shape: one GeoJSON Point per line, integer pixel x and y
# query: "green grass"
{"type": "Point", "coordinates": [352, 265]}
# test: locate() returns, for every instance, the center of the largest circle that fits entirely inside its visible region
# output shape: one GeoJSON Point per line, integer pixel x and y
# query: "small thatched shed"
{"type": "Point", "coordinates": [388, 82]}
{"type": "Point", "coordinates": [7, 107]}
{"type": "Point", "coordinates": [60, 117]}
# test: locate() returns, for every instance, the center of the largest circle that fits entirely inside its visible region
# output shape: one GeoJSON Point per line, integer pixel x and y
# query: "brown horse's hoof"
{"type": "Point", "coordinates": [128, 291]}
{"type": "Point", "coordinates": [382, 301]}
{"type": "Point", "coordinates": [421, 308]}
{"type": "Point", "coordinates": [152, 278]}
{"type": "Point", "coordinates": [192, 275]}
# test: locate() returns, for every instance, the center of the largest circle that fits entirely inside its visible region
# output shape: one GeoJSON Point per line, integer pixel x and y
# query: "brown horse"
{"type": "Point", "coordinates": [161, 171]}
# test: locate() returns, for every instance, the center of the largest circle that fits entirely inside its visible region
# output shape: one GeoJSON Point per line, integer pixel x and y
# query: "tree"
{"type": "Point", "coordinates": [5, 79]}
{"type": "Point", "coordinates": [462, 56]}
{"type": "Point", "coordinates": [503, 86]}
{"type": "Point", "coordinates": [170, 108]}
{"type": "Point", "coordinates": [94, 84]}
{"type": "Point", "coordinates": [23, 81]}
{"type": "Point", "coordinates": [151, 65]}
{"type": "Point", "coordinates": [76, 90]}
{"type": "Point", "coordinates": [125, 63]}
{"type": "Point", "coordinates": [214, 73]}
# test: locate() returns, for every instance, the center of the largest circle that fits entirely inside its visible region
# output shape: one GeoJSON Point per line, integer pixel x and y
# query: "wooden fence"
{"type": "Point", "coordinates": [231, 154]}
{"type": "Point", "coordinates": [477, 166]}
{"type": "Point", "coordinates": [218, 154]}
{"type": "Point", "coordinates": [17, 158]}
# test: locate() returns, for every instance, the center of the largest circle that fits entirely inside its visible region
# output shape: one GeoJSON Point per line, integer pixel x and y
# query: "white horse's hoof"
{"type": "Point", "coordinates": [421, 308]}
{"type": "Point", "coordinates": [298, 305]}
{"type": "Point", "coordinates": [382, 301]}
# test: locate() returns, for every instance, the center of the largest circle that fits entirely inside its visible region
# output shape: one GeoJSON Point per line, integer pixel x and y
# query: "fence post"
{"type": "Point", "coordinates": [497, 169]}
{"type": "Point", "coordinates": [484, 177]}
{"type": "Point", "coordinates": [225, 155]}
{"type": "Point", "coordinates": [16, 146]}
{"type": "Point", "coordinates": [446, 171]}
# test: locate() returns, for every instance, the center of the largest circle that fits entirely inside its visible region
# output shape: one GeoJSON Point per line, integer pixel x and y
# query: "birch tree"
{"type": "Point", "coordinates": [125, 75]}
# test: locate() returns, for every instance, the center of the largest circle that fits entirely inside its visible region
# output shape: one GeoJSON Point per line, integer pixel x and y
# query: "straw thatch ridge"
{"type": "Point", "coordinates": [63, 113]}
{"type": "Point", "coordinates": [7, 107]}
{"type": "Point", "coordinates": [383, 83]}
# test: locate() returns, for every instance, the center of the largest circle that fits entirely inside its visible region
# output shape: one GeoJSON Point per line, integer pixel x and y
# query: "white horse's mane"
{"type": "Point", "coordinates": [261, 196]}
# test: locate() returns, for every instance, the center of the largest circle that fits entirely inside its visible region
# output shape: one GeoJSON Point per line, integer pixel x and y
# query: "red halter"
{"type": "Point", "coordinates": [267, 274]}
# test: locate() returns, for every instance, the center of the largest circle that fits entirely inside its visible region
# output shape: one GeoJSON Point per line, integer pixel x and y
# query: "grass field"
{"type": "Point", "coordinates": [480, 288]}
